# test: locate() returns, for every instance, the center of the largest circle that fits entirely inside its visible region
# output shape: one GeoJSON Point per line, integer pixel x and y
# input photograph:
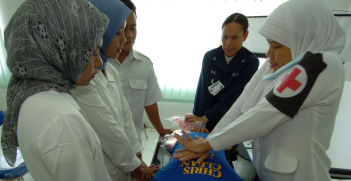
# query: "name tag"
{"type": "Point", "coordinates": [215, 88]}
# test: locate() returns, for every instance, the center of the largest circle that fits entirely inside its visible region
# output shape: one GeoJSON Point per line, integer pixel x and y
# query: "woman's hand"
{"type": "Point", "coordinates": [185, 155]}
{"type": "Point", "coordinates": [147, 172]}
{"type": "Point", "coordinates": [137, 174]}
{"type": "Point", "coordinates": [153, 169]}
{"type": "Point", "coordinates": [201, 130]}
{"type": "Point", "coordinates": [199, 145]}
{"type": "Point", "coordinates": [166, 131]}
{"type": "Point", "coordinates": [193, 118]}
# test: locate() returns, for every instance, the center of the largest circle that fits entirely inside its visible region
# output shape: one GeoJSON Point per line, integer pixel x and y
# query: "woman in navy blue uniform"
{"type": "Point", "coordinates": [225, 72]}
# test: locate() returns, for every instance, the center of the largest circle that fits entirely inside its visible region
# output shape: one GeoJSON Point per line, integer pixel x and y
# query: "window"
{"type": "Point", "coordinates": [4, 71]}
{"type": "Point", "coordinates": [175, 35]}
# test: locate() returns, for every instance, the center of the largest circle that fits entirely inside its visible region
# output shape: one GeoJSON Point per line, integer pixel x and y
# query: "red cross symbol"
{"type": "Point", "coordinates": [290, 81]}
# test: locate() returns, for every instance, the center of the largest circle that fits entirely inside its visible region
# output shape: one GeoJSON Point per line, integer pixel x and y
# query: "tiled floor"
{"type": "Point", "coordinates": [149, 145]}
{"type": "Point", "coordinates": [244, 167]}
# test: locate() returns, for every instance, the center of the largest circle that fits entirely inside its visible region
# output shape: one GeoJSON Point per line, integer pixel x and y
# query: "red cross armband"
{"type": "Point", "coordinates": [292, 90]}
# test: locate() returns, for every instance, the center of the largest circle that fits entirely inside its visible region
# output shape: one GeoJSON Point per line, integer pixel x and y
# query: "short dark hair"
{"type": "Point", "coordinates": [237, 18]}
{"type": "Point", "coordinates": [130, 5]}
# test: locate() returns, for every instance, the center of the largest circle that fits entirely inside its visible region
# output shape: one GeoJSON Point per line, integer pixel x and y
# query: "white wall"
{"type": "Point", "coordinates": [7, 9]}
{"type": "Point", "coordinates": [340, 146]}
{"type": "Point", "coordinates": [338, 5]}
{"type": "Point", "coordinates": [3, 103]}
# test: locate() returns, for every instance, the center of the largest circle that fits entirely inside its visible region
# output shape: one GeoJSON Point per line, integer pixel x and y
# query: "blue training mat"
{"type": "Point", "coordinates": [214, 168]}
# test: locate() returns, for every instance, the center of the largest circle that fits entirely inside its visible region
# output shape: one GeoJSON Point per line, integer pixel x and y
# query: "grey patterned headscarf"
{"type": "Point", "coordinates": [49, 44]}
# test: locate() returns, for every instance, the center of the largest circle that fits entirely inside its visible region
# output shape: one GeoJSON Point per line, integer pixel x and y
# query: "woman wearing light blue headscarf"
{"type": "Point", "coordinates": [117, 12]}
{"type": "Point", "coordinates": [105, 106]}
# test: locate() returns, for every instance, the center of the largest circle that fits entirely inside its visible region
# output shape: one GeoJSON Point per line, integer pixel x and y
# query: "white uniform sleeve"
{"type": "Point", "coordinates": [255, 123]}
{"type": "Point", "coordinates": [264, 117]}
{"type": "Point", "coordinates": [235, 111]}
{"type": "Point", "coordinates": [153, 92]}
{"type": "Point", "coordinates": [69, 156]}
{"type": "Point", "coordinates": [128, 121]}
{"type": "Point", "coordinates": [114, 141]}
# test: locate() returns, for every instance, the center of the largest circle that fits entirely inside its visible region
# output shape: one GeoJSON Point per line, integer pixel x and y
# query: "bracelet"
{"type": "Point", "coordinates": [205, 118]}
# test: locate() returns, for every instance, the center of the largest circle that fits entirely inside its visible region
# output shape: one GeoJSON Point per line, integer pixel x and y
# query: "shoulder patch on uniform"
{"type": "Point", "coordinates": [141, 56]}
{"type": "Point", "coordinates": [292, 90]}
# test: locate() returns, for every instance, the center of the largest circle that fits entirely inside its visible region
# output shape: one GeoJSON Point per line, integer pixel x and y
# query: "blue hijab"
{"type": "Point", "coordinates": [117, 13]}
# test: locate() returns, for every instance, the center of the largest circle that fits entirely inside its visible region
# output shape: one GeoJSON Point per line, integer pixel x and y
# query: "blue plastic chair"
{"type": "Point", "coordinates": [2, 117]}
{"type": "Point", "coordinates": [7, 172]}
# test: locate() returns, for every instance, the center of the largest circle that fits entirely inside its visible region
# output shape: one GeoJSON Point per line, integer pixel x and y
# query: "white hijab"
{"type": "Point", "coordinates": [301, 25]}
{"type": "Point", "coordinates": [304, 25]}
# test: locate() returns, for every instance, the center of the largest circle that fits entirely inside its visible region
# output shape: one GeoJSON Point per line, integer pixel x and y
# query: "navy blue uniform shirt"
{"type": "Point", "coordinates": [233, 76]}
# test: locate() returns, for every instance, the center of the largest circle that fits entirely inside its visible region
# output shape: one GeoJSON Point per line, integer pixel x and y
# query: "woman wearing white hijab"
{"type": "Point", "coordinates": [52, 47]}
{"type": "Point", "coordinates": [289, 106]}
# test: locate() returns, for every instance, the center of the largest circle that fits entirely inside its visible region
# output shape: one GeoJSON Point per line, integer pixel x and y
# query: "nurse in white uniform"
{"type": "Point", "coordinates": [289, 106]}
{"type": "Point", "coordinates": [48, 56]}
{"type": "Point", "coordinates": [105, 106]}
{"type": "Point", "coordinates": [139, 81]}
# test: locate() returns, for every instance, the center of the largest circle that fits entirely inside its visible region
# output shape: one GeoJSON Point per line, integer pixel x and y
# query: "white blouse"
{"type": "Point", "coordinates": [139, 84]}
{"type": "Point", "coordinates": [107, 111]}
{"type": "Point", "coordinates": [56, 141]}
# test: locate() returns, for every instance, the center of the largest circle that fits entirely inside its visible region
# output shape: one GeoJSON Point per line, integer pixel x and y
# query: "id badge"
{"type": "Point", "coordinates": [215, 88]}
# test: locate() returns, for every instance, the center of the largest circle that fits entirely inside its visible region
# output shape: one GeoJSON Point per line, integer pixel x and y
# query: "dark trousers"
{"type": "Point", "coordinates": [231, 155]}
{"type": "Point", "coordinates": [256, 178]}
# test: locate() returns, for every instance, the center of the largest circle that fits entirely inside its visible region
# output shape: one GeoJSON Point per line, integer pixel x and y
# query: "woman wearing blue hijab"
{"type": "Point", "coordinates": [105, 106]}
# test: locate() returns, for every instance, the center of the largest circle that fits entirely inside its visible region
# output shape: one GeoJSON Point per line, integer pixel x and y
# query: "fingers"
{"type": "Point", "coordinates": [154, 168]}
{"type": "Point", "coordinates": [190, 118]}
{"type": "Point", "coordinates": [149, 176]}
{"type": "Point", "coordinates": [197, 130]}
{"type": "Point", "coordinates": [178, 155]}
{"type": "Point", "coordinates": [183, 141]}
{"type": "Point", "coordinates": [202, 130]}
{"type": "Point", "coordinates": [186, 119]}
{"type": "Point", "coordinates": [187, 136]}
{"type": "Point", "coordinates": [181, 150]}
{"type": "Point", "coordinates": [202, 158]}
{"type": "Point", "coordinates": [180, 139]}
{"type": "Point", "coordinates": [142, 176]}
{"type": "Point", "coordinates": [131, 177]}
{"type": "Point", "coordinates": [168, 131]}
{"type": "Point", "coordinates": [187, 157]}
{"type": "Point", "coordinates": [198, 138]}
{"type": "Point", "coordinates": [146, 175]}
